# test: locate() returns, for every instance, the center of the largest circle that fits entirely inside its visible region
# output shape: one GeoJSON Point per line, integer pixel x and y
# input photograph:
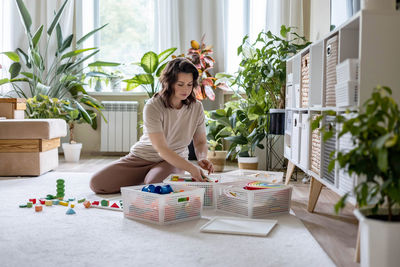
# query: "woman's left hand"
{"type": "Point", "coordinates": [207, 165]}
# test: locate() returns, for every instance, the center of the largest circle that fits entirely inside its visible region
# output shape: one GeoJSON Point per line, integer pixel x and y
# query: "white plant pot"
{"type": "Point", "coordinates": [378, 4]}
{"type": "Point", "coordinates": [72, 152]}
{"type": "Point", "coordinates": [248, 163]}
{"type": "Point", "coordinates": [379, 241]}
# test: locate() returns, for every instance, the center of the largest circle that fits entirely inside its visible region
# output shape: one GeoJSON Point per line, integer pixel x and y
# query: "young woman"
{"type": "Point", "coordinates": [172, 118]}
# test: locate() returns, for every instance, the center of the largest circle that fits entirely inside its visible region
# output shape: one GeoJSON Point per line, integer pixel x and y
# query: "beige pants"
{"type": "Point", "coordinates": [130, 170]}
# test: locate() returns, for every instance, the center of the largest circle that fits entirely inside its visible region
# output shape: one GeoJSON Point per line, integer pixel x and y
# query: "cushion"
{"type": "Point", "coordinates": [32, 129]}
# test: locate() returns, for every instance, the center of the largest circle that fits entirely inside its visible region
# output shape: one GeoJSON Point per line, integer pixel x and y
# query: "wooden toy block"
{"type": "Point", "coordinates": [115, 205]}
{"type": "Point", "coordinates": [33, 200]}
{"type": "Point", "coordinates": [81, 200]}
{"type": "Point", "coordinates": [48, 202]}
{"type": "Point", "coordinates": [42, 201]}
{"type": "Point", "coordinates": [64, 203]}
{"type": "Point", "coordinates": [38, 208]}
{"type": "Point", "coordinates": [23, 206]}
{"type": "Point", "coordinates": [105, 203]}
{"type": "Point", "coordinates": [95, 203]}
{"type": "Point", "coordinates": [70, 212]}
{"type": "Point", "coordinates": [87, 204]}
{"type": "Point", "coordinates": [56, 202]}
{"type": "Point", "coordinates": [72, 206]}
{"type": "Point", "coordinates": [29, 204]}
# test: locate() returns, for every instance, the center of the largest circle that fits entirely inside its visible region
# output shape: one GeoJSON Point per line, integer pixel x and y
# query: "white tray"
{"type": "Point", "coordinates": [238, 226]}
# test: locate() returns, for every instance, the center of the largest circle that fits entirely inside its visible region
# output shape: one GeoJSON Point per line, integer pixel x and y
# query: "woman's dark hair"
{"type": "Point", "coordinates": [169, 77]}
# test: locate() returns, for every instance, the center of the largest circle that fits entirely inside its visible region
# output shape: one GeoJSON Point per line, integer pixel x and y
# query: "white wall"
{"type": "Point", "coordinates": [319, 19]}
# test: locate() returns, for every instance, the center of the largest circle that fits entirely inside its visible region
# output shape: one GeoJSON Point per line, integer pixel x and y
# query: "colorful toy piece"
{"type": "Point", "coordinates": [48, 202]}
{"type": "Point", "coordinates": [64, 203]}
{"type": "Point", "coordinates": [87, 204]}
{"type": "Point", "coordinates": [96, 203]}
{"type": "Point", "coordinates": [42, 201]}
{"type": "Point", "coordinates": [70, 211]}
{"type": "Point", "coordinates": [29, 204]}
{"type": "Point", "coordinates": [56, 201]}
{"type": "Point", "coordinates": [38, 208]}
{"type": "Point", "coordinates": [115, 205]}
{"type": "Point", "coordinates": [72, 206]}
{"type": "Point", "coordinates": [33, 200]}
{"type": "Point", "coordinates": [256, 185]}
{"type": "Point", "coordinates": [164, 189]}
{"type": "Point", "coordinates": [81, 200]}
{"type": "Point", "coordinates": [23, 206]}
{"type": "Point", "coordinates": [105, 203]}
{"type": "Point", "coordinates": [60, 188]}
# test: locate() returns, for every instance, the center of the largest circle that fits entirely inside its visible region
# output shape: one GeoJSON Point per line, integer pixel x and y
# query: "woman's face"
{"type": "Point", "coordinates": [183, 86]}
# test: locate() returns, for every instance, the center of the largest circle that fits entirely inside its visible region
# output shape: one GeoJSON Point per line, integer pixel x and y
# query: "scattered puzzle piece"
{"type": "Point", "coordinates": [70, 211]}
{"type": "Point", "coordinates": [81, 200]}
{"type": "Point", "coordinates": [87, 204]}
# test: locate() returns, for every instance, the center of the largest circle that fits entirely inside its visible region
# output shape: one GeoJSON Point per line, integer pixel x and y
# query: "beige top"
{"type": "Point", "coordinates": [178, 125]}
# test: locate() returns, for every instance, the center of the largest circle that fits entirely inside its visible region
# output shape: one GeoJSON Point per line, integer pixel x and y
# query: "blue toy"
{"type": "Point", "coordinates": [164, 189]}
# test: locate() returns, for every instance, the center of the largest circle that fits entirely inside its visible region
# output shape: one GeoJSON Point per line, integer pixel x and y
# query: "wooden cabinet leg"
{"type": "Point", "coordinates": [357, 255]}
{"type": "Point", "coordinates": [289, 171]}
{"type": "Point", "coordinates": [315, 190]}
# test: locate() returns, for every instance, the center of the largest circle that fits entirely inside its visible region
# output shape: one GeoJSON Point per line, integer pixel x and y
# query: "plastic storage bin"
{"type": "Point", "coordinates": [208, 186]}
{"type": "Point", "coordinates": [296, 133]}
{"type": "Point", "coordinates": [347, 70]}
{"type": "Point", "coordinates": [305, 142]}
{"type": "Point", "coordinates": [163, 209]}
{"type": "Point", "coordinates": [331, 59]}
{"type": "Point", "coordinates": [347, 94]}
{"type": "Point", "coordinates": [233, 198]}
{"type": "Point", "coordinates": [266, 176]}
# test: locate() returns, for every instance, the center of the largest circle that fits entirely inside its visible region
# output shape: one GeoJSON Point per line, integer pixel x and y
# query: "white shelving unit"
{"type": "Point", "coordinates": [373, 38]}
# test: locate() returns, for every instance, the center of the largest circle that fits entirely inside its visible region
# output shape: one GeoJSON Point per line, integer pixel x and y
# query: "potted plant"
{"type": "Point", "coordinates": [246, 128]}
{"type": "Point", "coordinates": [263, 68]}
{"type": "Point", "coordinates": [216, 133]}
{"type": "Point", "coordinates": [375, 158]}
{"type": "Point", "coordinates": [99, 75]}
{"type": "Point", "coordinates": [152, 65]}
{"type": "Point", "coordinates": [59, 78]}
{"type": "Point", "coordinates": [42, 106]}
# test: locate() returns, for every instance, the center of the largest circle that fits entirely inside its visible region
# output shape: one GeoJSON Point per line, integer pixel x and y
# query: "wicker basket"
{"type": "Point", "coordinates": [331, 59]}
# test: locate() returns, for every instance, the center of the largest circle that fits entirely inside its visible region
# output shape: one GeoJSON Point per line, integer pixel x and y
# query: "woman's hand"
{"type": "Point", "coordinates": [198, 174]}
{"type": "Point", "coordinates": [207, 165]}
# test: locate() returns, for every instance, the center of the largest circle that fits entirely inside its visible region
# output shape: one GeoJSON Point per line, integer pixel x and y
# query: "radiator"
{"type": "Point", "coordinates": [120, 133]}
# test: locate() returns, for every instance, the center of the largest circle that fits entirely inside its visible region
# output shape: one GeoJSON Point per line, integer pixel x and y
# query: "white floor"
{"type": "Point", "coordinates": [95, 237]}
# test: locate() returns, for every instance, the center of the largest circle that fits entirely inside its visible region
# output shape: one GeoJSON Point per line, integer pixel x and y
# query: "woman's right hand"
{"type": "Point", "coordinates": [197, 173]}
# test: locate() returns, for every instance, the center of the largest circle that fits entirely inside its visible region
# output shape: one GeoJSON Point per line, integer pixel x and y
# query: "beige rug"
{"type": "Point", "coordinates": [96, 237]}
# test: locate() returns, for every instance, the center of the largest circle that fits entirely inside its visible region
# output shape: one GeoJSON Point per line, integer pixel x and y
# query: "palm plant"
{"type": "Point", "coordinates": [58, 78]}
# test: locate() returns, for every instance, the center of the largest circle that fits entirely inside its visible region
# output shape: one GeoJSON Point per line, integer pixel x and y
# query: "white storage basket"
{"type": "Point", "coordinates": [233, 198]}
{"type": "Point", "coordinates": [329, 146]}
{"type": "Point", "coordinates": [347, 70]}
{"type": "Point", "coordinates": [347, 94]}
{"type": "Point", "coordinates": [331, 59]}
{"type": "Point", "coordinates": [265, 176]}
{"type": "Point", "coordinates": [163, 209]}
{"type": "Point", "coordinates": [315, 161]}
{"type": "Point", "coordinates": [305, 79]}
{"type": "Point", "coordinates": [208, 186]}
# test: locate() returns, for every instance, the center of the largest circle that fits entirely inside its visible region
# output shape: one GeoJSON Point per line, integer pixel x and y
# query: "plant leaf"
{"type": "Point", "coordinates": [11, 55]}
{"type": "Point", "coordinates": [165, 54]}
{"type": "Point", "coordinates": [26, 17]}
{"type": "Point", "coordinates": [89, 34]}
{"type": "Point", "coordinates": [56, 18]}
{"type": "Point", "coordinates": [67, 42]}
{"type": "Point", "coordinates": [14, 70]}
{"type": "Point", "coordinates": [4, 81]}
{"type": "Point", "coordinates": [76, 52]}
{"type": "Point", "coordinates": [36, 36]}
{"type": "Point", "coordinates": [103, 64]}
{"type": "Point", "coordinates": [160, 69]}
{"type": "Point", "coordinates": [149, 62]}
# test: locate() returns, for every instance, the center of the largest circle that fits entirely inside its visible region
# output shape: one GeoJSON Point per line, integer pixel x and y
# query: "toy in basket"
{"type": "Point", "coordinates": [253, 199]}
{"type": "Point", "coordinates": [182, 204]}
{"type": "Point", "coordinates": [265, 176]}
{"type": "Point", "coordinates": [181, 179]}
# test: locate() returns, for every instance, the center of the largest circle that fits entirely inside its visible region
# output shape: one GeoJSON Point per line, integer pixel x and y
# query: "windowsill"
{"type": "Point", "coordinates": [123, 93]}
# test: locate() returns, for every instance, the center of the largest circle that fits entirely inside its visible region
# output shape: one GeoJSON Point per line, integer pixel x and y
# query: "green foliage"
{"type": "Point", "coordinates": [61, 78]}
{"type": "Point", "coordinates": [216, 132]}
{"type": "Point", "coordinates": [245, 128]}
{"type": "Point", "coordinates": [43, 106]}
{"type": "Point", "coordinates": [263, 65]}
{"type": "Point", "coordinates": [152, 66]}
{"type": "Point", "coordinates": [375, 131]}
{"type": "Point", "coordinates": [201, 56]}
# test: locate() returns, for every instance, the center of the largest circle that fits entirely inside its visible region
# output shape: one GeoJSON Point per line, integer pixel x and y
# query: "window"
{"type": "Point", "coordinates": [130, 30]}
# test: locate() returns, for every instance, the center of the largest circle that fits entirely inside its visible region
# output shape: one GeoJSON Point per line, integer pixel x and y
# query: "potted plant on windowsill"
{"type": "Point", "coordinates": [375, 158]}
{"type": "Point", "coordinates": [216, 133]}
